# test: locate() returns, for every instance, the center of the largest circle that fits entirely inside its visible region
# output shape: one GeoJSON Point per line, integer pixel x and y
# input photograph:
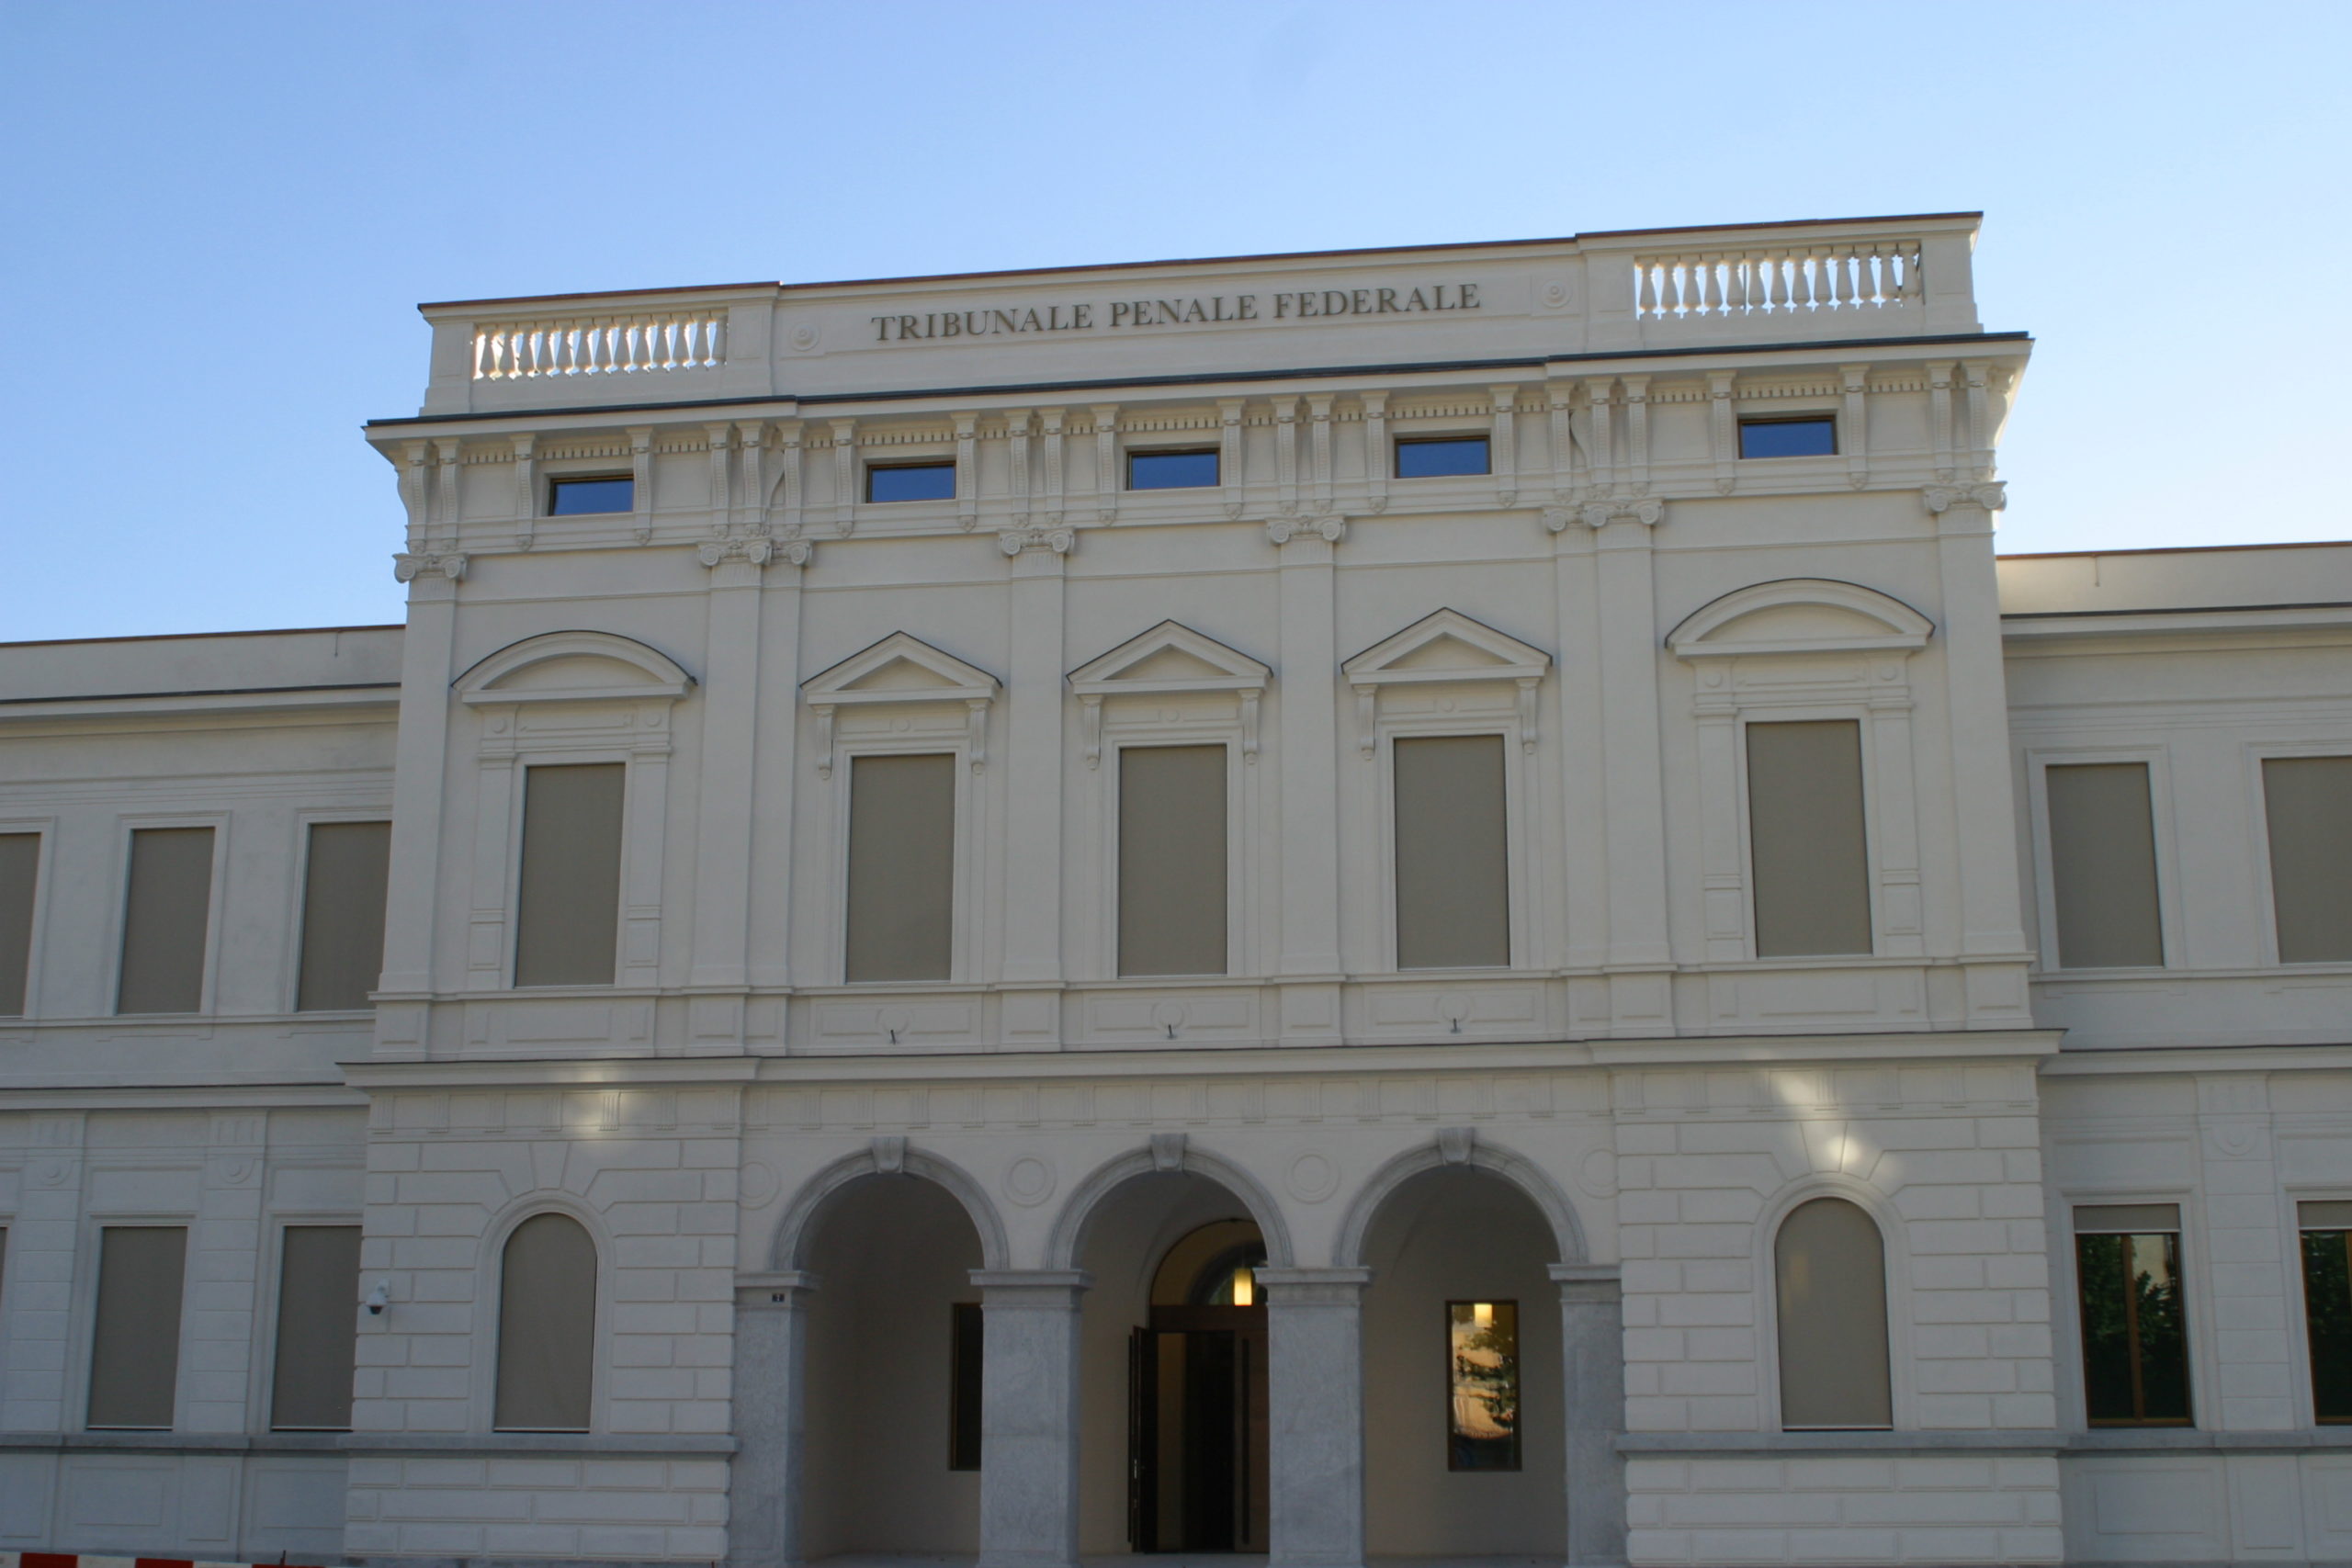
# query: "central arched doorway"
{"type": "Point", "coordinates": [1173, 1396]}
{"type": "Point", "coordinates": [1196, 1398]}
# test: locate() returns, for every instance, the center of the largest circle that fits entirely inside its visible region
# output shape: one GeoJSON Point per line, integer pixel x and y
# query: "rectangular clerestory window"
{"type": "Point", "coordinates": [1808, 435]}
{"type": "Point", "coordinates": [2134, 1315]}
{"type": "Point", "coordinates": [586, 496]}
{"type": "Point", "coordinates": [166, 920]}
{"type": "Point", "coordinates": [567, 912]}
{"type": "Point", "coordinates": [910, 481]}
{"type": "Point", "coordinates": [2103, 865]}
{"type": "Point", "coordinates": [20, 871]}
{"type": "Point", "coordinates": [2308, 803]}
{"type": "Point", "coordinates": [342, 914]}
{"type": "Point", "coordinates": [1188, 469]}
{"type": "Point", "coordinates": [902, 917]}
{"type": "Point", "coordinates": [1441, 457]}
{"type": "Point", "coordinates": [1452, 847]}
{"type": "Point", "coordinates": [2326, 1233]}
{"type": "Point", "coordinates": [1171, 860]}
{"type": "Point", "coordinates": [135, 1341]}
{"type": "Point", "coordinates": [1807, 842]}
{"type": "Point", "coordinates": [318, 1307]}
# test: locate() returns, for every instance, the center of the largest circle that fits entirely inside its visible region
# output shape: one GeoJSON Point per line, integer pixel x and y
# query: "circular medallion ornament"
{"type": "Point", "coordinates": [1555, 294]}
{"type": "Point", "coordinates": [758, 1185]}
{"type": "Point", "coordinates": [804, 337]}
{"type": "Point", "coordinates": [1029, 1181]}
{"type": "Point", "coordinates": [1597, 1174]}
{"type": "Point", "coordinates": [1312, 1178]}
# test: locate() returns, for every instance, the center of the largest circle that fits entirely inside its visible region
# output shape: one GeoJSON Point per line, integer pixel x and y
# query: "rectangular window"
{"type": "Point", "coordinates": [1806, 844]}
{"type": "Point", "coordinates": [901, 868]}
{"type": "Point", "coordinates": [342, 914]}
{"type": "Point", "coordinates": [168, 911]}
{"type": "Point", "coordinates": [1171, 860]}
{"type": "Point", "coordinates": [1172, 471]}
{"type": "Point", "coordinates": [1432, 457]}
{"type": "Point", "coordinates": [2327, 1305]}
{"type": "Point", "coordinates": [1814, 437]}
{"type": "Point", "coordinates": [1482, 1382]}
{"type": "Point", "coordinates": [317, 1308]}
{"type": "Point", "coordinates": [579, 498]}
{"type": "Point", "coordinates": [2308, 803]}
{"type": "Point", "coordinates": [910, 481]}
{"type": "Point", "coordinates": [567, 918]}
{"type": "Point", "coordinates": [2103, 865]}
{"type": "Point", "coordinates": [20, 868]}
{"type": "Point", "coordinates": [964, 1390]}
{"type": "Point", "coordinates": [1452, 853]}
{"type": "Point", "coordinates": [2136, 1328]}
{"type": "Point", "coordinates": [135, 1346]}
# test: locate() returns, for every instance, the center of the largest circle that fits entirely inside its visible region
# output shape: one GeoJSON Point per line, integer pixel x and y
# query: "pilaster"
{"type": "Point", "coordinates": [37, 1307]}
{"type": "Point", "coordinates": [1315, 1423]}
{"type": "Point", "coordinates": [1029, 1416]}
{"type": "Point", "coordinates": [1307, 723]}
{"type": "Point", "coordinates": [764, 1502]}
{"type": "Point", "coordinates": [419, 792]}
{"type": "Point", "coordinates": [730, 689]}
{"type": "Point", "coordinates": [1634, 785]}
{"type": "Point", "coordinates": [1033, 760]}
{"type": "Point", "coordinates": [1592, 1361]}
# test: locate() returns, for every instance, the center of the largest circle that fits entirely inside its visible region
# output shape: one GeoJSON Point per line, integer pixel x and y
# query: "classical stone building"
{"type": "Point", "coordinates": [1434, 902]}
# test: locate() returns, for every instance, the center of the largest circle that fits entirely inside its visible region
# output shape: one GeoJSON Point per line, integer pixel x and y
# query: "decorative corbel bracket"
{"type": "Point", "coordinates": [1168, 1151]}
{"type": "Point", "coordinates": [976, 730]}
{"type": "Point", "coordinates": [824, 712]}
{"type": "Point", "coordinates": [889, 1150]}
{"type": "Point", "coordinates": [526, 489]}
{"type": "Point", "coordinates": [1455, 1145]}
{"type": "Point", "coordinates": [967, 471]}
{"type": "Point", "coordinates": [640, 446]}
{"type": "Point", "coordinates": [1228, 456]}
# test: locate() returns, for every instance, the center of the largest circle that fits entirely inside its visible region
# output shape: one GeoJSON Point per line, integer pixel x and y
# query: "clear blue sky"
{"type": "Point", "coordinates": [218, 216]}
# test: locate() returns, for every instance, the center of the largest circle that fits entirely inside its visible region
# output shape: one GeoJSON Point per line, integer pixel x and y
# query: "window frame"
{"type": "Point", "coordinates": [1127, 456]}
{"type": "Point", "coordinates": [297, 903]}
{"type": "Point", "coordinates": [276, 1223]}
{"type": "Point", "coordinates": [2067, 1298]}
{"type": "Point", "coordinates": [1740, 421]}
{"type": "Point", "coordinates": [1895, 1257]}
{"type": "Point", "coordinates": [869, 469]}
{"type": "Point", "coordinates": [1872, 829]}
{"type": "Point", "coordinates": [89, 1243]}
{"type": "Point", "coordinates": [2170, 916]}
{"type": "Point", "coordinates": [1398, 443]}
{"type": "Point", "coordinates": [119, 915]}
{"type": "Point", "coordinates": [44, 869]}
{"type": "Point", "coordinates": [2265, 894]}
{"type": "Point", "coordinates": [490, 1276]}
{"type": "Point", "coordinates": [551, 482]}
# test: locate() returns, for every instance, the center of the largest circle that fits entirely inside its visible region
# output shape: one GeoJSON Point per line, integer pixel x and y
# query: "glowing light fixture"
{"type": "Point", "coordinates": [1482, 1314]}
{"type": "Point", "coordinates": [1245, 1287]}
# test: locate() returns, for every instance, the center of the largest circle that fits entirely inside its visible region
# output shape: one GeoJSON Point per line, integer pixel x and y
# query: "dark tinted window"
{"type": "Point", "coordinates": [2135, 1338]}
{"type": "Point", "coordinates": [1434, 459]}
{"type": "Point", "coordinates": [1788, 437]}
{"type": "Point", "coordinates": [2327, 1316]}
{"type": "Point", "coordinates": [1171, 470]}
{"type": "Point", "coordinates": [573, 498]}
{"type": "Point", "coordinates": [912, 481]}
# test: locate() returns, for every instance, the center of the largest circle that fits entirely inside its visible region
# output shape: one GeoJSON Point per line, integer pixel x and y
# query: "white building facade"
{"type": "Point", "coordinates": [1429, 903]}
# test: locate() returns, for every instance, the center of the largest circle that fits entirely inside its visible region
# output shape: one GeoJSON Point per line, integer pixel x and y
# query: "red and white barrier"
{"type": "Point", "coordinates": [83, 1559]}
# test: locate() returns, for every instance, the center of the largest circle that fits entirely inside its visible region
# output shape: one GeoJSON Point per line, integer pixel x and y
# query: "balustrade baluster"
{"type": "Point", "coordinates": [1647, 305]}
{"type": "Point", "coordinates": [1715, 300]}
{"type": "Point", "coordinates": [1780, 282]}
{"type": "Point", "coordinates": [1845, 261]}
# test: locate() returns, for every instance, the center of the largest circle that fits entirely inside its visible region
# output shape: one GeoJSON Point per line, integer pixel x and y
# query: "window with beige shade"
{"type": "Point", "coordinates": [2103, 865]}
{"type": "Point", "coordinates": [1830, 1277]}
{"type": "Point", "coordinates": [901, 916]}
{"type": "Point", "coordinates": [20, 871]}
{"type": "Point", "coordinates": [135, 1341]}
{"type": "Point", "coordinates": [343, 914]}
{"type": "Point", "coordinates": [567, 916]}
{"type": "Point", "coordinates": [1452, 849]}
{"type": "Point", "coordinates": [1808, 848]}
{"type": "Point", "coordinates": [2308, 804]}
{"type": "Point", "coordinates": [166, 920]}
{"type": "Point", "coordinates": [546, 1327]}
{"type": "Point", "coordinates": [1171, 860]}
{"type": "Point", "coordinates": [318, 1306]}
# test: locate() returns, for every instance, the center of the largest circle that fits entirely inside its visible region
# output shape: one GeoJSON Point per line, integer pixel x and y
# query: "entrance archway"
{"type": "Point", "coordinates": [1464, 1434]}
{"type": "Point", "coordinates": [1172, 1370]}
{"type": "Point", "coordinates": [890, 1459]}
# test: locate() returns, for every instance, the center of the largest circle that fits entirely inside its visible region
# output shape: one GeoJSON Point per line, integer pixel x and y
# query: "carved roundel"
{"type": "Point", "coordinates": [1312, 1178]}
{"type": "Point", "coordinates": [804, 337]}
{"type": "Point", "coordinates": [1029, 1181]}
{"type": "Point", "coordinates": [1555, 293]}
{"type": "Point", "coordinates": [759, 1185]}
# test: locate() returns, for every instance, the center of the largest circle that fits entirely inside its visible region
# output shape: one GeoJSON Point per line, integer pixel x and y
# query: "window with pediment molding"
{"type": "Point", "coordinates": [1176, 713]}
{"type": "Point", "coordinates": [1810, 840]}
{"type": "Point", "coordinates": [575, 728]}
{"type": "Point", "coordinates": [903, 737]}
{"type": "Point", "coordinates": [1449, 705]}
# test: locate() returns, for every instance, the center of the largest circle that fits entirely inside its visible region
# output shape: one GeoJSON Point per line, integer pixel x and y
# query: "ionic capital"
{"type": "Point", "coordinates": [1013, 541]}
{"type": "Point", "coordinates": [408, 567]}
{"type": "Point", "coordinates": [1282, 530]}
{"type": "Point", "coordinates": [1990, 494]}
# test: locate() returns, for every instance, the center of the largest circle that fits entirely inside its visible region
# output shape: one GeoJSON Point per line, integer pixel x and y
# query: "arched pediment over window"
{"type": "Point", "coordinates": [575, 666]}
{"type": "Point", "coordinates": [1800, 614]}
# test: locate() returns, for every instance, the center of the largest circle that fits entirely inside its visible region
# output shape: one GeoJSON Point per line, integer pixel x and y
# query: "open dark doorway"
{"type": "Point", "coordinates": [1196, 1399]}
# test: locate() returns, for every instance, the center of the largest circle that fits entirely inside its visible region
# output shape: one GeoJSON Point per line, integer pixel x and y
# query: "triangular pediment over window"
{"type": "Point", "coordinates": [1447, 646]}
{"type": "Point", "coordinates": [900, 669]}
{"type": "Point", "coordinates": [1168, 658]}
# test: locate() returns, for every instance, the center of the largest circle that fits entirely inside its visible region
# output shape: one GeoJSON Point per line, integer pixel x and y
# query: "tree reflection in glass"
{"type": "Point", "coordinates": [1483, 1385]}
{"type": "Point", "coordinates": [2327, 1311]}
{"type": "Point", "coordinates": [2135, 1334]}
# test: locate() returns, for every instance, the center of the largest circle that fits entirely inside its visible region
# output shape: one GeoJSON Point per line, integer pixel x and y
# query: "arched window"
{"type": "Point", "coordinates": [1830, 1265]}
{"type": "Point", "coordinates": [546, 1327]}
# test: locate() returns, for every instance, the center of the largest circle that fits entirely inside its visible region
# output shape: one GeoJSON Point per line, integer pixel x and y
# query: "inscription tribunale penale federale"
{"type": "Point", "coordinates": [1119, 315]}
